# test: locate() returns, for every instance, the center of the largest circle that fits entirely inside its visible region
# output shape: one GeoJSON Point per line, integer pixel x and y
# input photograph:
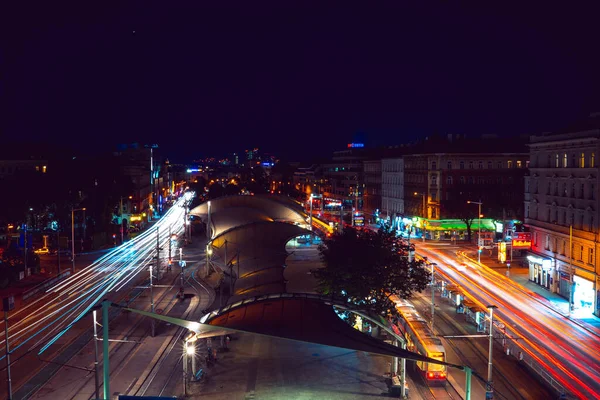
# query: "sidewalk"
{"type": "Point", "coordinates": [520, 275]}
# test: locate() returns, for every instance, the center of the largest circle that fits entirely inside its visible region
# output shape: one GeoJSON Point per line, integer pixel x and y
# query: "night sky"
{"type": "Point", "coordinates": [298, 80]}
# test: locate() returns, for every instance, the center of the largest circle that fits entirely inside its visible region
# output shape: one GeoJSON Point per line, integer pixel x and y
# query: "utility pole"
{"type": "Point", "coordinates": [58, 248]}
{"type": "Point", "coordinates": [25, 247]}
{"type": "Point", "coordinates": [432, 293]}
{"type": "Point", "coordinates": [96, 373]}
{"type": "Point", "coordinates": [489, 386]}
{"type": "Point", "coordinates": [152, 300]}
{"type": "Point", "coordinates": [208, 233]}
{"type": "Point", "coordinates": [121, 214]}
{"type": "Point", "coordinates": [157, 255]}
{"type": "Point", "coordinates": [105, 348]}
{"type": "Point", "coordinates": [8, 305]}
{"type": "Point", "coordinates": [311, 211]}
{"type": "Point", "coordinates": [571, 291]}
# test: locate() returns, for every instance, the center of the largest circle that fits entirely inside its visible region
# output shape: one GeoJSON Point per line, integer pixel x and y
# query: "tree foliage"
{"type": "Point", "coordinates": [366, 267]}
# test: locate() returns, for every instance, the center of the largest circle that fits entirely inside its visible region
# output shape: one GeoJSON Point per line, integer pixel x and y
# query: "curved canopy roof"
{"type": "Point", "coordinates": [249, 234]}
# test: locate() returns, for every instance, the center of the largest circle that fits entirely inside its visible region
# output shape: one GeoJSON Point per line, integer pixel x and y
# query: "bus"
{"type": "Point", "coordinates": [420, 339]}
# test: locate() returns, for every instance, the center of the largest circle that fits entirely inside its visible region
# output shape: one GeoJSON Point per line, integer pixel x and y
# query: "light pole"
{"type": "Point", "coordinates": [96, 373]}
{"type": "Point", "coordinates": [432, 293]}
{"type": "Point", "coordinates": [479, 203]}
{"type": "Point", "coordinates": [73, 236]}
{"type": "Point", "coordinates": [489, 387]}
{"type": "Point", "coordinates": [311, 211]}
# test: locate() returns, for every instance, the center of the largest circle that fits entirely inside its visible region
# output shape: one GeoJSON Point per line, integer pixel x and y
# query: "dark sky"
{"type": "Point", "coordinates": [294, 80]}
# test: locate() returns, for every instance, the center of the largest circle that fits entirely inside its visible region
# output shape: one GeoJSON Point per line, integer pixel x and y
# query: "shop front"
{"type": "Point", "coordinates": [541, 271]}
{"type": "Point", "coordinates": [583, 295]}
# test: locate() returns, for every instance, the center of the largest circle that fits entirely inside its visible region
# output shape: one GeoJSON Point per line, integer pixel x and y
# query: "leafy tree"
{"type": "Point", "coordinates": [366, 267]}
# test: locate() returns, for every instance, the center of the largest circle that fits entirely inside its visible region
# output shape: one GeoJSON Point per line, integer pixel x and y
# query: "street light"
{"type": "Point", "coordinates": [489, 387]}
{"type": "Point", "coordinates": [73, 236]}
{"type": "Point", "coordinates": [479, 203]}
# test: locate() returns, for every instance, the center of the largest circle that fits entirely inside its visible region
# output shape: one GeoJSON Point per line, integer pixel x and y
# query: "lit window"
{"type": "Point", "coordinates": [591, 256]}
{"type": "Point", "coordinates": [509, 164]}
{"type": "Point", "coordinates": [519, 164]}
{"type": "Point", "coordinates": [44, 169]}
{"type": "Point", "coordinates": [565, 160]}
{"type": "Point", "coordinates": [557, 163]}
{"type": "Point", "coordinates": [593, 160]}
{"type": "Point", "coordinates": [582, 160]}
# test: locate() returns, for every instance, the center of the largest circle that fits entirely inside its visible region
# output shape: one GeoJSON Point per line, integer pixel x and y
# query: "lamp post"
{"type": "Point", "coordinates": [311, 211]}
{"type": "Point", "coordinates": [489, 387]}
{"type": "Point", "coordinates": [73, 236]}
{"type": "Point", "coordinates": [479, 203]}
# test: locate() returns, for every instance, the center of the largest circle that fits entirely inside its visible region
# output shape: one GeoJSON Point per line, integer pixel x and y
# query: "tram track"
{"type": "Point", "coordinates": [130, 333]}
{"type": "Point", "coordinates": [504, 380]}
{"type": "Point", "coordinates": [167, 351]}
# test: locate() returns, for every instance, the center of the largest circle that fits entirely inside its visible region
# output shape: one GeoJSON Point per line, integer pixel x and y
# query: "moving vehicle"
{"type": "Point", "coordinates": [420, 339]}
{"type": "Point", "coordinates": [43, 250]}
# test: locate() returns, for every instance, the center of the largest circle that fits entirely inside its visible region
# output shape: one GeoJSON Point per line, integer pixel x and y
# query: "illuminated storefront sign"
{"type": "Point", "coordinates": [359, 220]}
{"type": "Point", "coordinates": [521, 244]}
{"type": "Point", "coordinates": [502, 252]}
{"type": "Point", "coordinates": [355, 145]}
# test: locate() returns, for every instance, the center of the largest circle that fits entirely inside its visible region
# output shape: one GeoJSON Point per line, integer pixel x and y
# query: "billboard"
{"type": "Point", "coordinates": [521, 240]}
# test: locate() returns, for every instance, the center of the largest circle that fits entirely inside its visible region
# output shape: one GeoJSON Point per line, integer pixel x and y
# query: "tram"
{"type": "Point", "coordinates": [420, 339]}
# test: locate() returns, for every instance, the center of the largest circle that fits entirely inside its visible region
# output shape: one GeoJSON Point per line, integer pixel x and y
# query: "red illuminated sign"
{"type": "Point", "coordinates": [521, 244]}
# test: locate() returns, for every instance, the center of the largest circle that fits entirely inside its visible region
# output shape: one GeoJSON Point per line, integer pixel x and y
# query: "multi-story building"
{"type": "Point", "coordinates": [392, 188]}
{"type": "Point", "coordinates": [371, 189]}
{"type": "Point", "coordinates": [562, 213]}
{"type": "Point", "coordinates": [443, 174]}
{"type": "Point", "coordinates": [344, 175]}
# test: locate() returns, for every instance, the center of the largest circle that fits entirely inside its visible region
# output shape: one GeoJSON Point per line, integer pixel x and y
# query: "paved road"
{"type": "Point", "coordinates": [567, 353]}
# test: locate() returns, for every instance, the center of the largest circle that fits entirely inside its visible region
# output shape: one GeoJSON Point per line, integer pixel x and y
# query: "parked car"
{"type": "Point", "coordinates": [43, 250]}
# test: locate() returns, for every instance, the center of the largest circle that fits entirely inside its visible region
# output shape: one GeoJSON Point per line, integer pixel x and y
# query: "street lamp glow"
{"type": "Point", "coordinates": [190, 349]}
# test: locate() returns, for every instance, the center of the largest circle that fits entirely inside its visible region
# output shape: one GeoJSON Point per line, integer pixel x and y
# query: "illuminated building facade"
{"type": "Point", "coordinates": [392, 187]}
{"type": "Point", "coordinates": [441, 175]}
{"type": "Point", "coordinates": [561, 207]}
{"type": "Point", "coordinates": [372, 189]}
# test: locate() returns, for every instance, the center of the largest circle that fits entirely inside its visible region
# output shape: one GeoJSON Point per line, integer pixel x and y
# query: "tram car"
{"type": "Point", "coordinates": [420, 339]}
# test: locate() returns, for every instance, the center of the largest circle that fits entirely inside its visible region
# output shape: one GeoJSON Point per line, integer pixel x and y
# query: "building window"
{"type": "Point", "coordinates": [462, 165]}
{"type": "Point", "coordinates": [582, 191]}
{"type": "Point", "coordinates": [480, 180]}
{"type": "Point", "coordinates": [573, 190]}
{"type": "Point", "coordinates": [519, 164]}
{"type": "Point", "coordinates": [593, 160]}
{"type": "Point", "coordinates": [471, 180]}
{"type": "Point", "coordinates": [499, 164]}
{"type": "Point", "coordinates": [434, 179]}
{"type": "Point", "coordinates": [580, 253]}
{"type": "Point", "coordinates": [470, 164]}
{"type": "Point", "coordinates": [480, 164]}
{"type": "Point", "coordinates": [490, 165]}
{"type": "Point", "coordinates": [565, 160]}
{"type": "Point", "coordinates": [582, 160]}
{"type": "Point", "coordinates": [449, 164]}
{"type": "Point", "coordinates": [563, 247]}
{"type": "Point", "coordinates": [548, 215]}
{"type": "Point", "coordinates": [462, 180]}
{"type": "Point", "coordinates": [547, 247]}
{"type": "Point", "coordinates": [592, 196]}
{"type": "Point", "coordinates": [433, 165]}
{"type": "Point", "coordinates": [564, 190]}
{"type": "Point", "coordinates": [535, 239]}
{"type": "Point", "coordinates": [509, 164]}
{"type": "Point", "coordinates": [591, 256]}
{"type": "Point", "coordinates": [557, 162]}
{"type": "Point", "coordinates": [449, 180]}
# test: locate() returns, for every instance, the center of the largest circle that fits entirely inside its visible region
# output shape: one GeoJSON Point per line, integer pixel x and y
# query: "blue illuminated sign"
{"type": "Point", "coordinates": [355, 145]}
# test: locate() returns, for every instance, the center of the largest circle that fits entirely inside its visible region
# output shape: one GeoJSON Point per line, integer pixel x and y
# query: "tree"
{"type": "Point", "coordinates": [366, 267]}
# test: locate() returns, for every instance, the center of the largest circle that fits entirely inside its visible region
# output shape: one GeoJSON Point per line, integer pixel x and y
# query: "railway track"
{"type": "Point", "coordinates": [155, 383]}
{"type": "Point", "coordinates": [500, 379]}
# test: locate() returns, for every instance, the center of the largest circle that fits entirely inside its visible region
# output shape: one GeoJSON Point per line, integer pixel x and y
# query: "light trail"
{"type": "Point", "coordinates": [49, 317]}
{"type": "Point", "coordinates": [547, 336]}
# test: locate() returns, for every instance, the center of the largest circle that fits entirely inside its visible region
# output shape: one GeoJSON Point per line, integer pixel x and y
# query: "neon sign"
{"type": "Point", "coordinates": [521, 244]}
{"type": "Point", "coordinates": [355, 145]}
